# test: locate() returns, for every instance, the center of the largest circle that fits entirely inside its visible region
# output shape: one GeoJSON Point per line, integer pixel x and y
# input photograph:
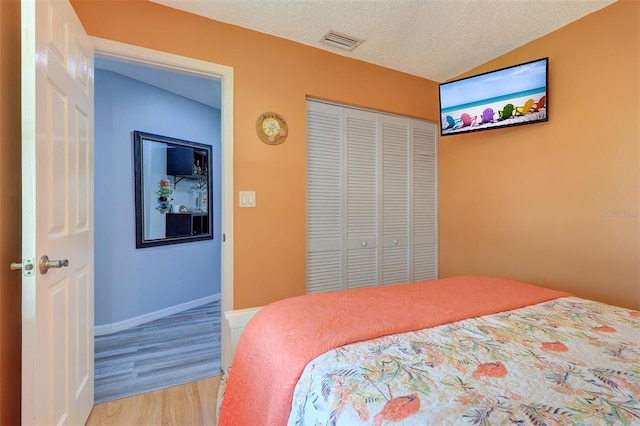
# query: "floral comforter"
{"type": "Point", "coordinates": [568, 361]}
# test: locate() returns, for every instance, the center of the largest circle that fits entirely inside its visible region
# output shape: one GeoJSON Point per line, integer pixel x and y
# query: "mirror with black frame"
{"type": "Point", "coordinates": [172, 190]}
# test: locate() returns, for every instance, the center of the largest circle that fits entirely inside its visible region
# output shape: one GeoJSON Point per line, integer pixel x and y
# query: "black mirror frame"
{"type": "Point", "coordinates": [138, 157]}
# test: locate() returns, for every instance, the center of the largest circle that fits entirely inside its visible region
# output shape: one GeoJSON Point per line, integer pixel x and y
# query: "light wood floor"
{"type": "Point", "coordinates": [191, 404]}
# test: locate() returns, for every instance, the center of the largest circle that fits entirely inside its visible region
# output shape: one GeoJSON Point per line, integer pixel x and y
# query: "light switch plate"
{"type": "Point", "coordinates": [247, 198]}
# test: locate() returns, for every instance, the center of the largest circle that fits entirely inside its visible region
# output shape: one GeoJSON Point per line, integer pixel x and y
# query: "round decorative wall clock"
{"type": "Point", "coordinates": [271, 128]}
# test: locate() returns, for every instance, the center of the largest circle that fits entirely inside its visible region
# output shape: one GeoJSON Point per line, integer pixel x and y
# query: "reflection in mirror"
{"type": "Point", "coordinates": [172, 190]}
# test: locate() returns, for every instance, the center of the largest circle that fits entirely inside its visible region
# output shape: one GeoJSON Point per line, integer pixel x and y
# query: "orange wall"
{"type": "Point", "coordinates": [270, 74]}
{"type": "Point", "coordinates": [10, 239]}
{"type": "Point", "coordinates": [556, 203]}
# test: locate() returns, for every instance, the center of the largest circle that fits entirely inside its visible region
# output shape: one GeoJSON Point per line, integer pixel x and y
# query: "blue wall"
{"type": "Point", "coordinates": [132, 282]}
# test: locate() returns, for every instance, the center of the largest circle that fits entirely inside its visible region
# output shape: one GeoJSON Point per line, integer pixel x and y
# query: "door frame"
{"type": "Point", "coordinates": [171, 62]}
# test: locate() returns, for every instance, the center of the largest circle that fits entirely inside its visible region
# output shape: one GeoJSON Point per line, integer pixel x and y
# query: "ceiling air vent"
{"type": "Point", "coordinates": [341, 41]}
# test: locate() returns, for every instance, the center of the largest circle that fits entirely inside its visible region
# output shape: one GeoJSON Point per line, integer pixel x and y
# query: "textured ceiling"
{"type": "Point", "coordinates": [434, 39]}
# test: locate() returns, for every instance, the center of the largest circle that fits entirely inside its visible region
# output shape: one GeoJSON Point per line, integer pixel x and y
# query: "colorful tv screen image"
{"type": "Point", "coordinates": [506, 97]}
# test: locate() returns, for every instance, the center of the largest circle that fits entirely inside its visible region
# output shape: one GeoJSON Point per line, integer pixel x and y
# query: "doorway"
{"type": "Point", "coordinates": [188, 276]}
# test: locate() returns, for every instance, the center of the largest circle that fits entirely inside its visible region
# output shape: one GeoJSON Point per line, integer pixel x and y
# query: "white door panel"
{"type": "Point", "coordinates": [324, 199]}
{"type": "Point", "coordinates": [361, 203]}
{"type": "Point", "coordinates": [57, 159]}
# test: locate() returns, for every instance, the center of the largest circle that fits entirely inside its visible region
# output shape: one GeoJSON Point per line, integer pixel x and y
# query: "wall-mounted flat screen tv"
{"type": "Point", "coordinates": [506, 97]}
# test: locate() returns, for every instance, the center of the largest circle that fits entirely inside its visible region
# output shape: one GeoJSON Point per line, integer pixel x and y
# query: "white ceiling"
{"type": "Point", "coordinates": [434, 39]}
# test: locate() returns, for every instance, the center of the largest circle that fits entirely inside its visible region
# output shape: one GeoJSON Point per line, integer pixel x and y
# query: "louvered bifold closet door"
{"type": "Point", "coordinates": [361, 198]}
{"type": "Point", "coordinates": [324, 198]}
{"type": "Point", "coordinates": [425, 200]}
{"type": "Point", "coordinates": [371, 198]}
{"type": "Point", "coordinates": [395, 198]}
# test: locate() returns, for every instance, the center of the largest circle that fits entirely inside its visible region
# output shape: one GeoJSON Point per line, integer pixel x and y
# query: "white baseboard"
{"type": "Point", "coordinates": [101, 330]}
{"type": "Point", "coordinates": [236, 321]}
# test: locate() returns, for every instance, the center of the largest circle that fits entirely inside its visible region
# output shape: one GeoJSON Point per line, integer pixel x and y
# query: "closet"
{"type": "Point", "coordinates": [371, 198]}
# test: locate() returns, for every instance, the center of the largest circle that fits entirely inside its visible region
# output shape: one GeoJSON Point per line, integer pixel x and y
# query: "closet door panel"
{"type": "Point", "coordinates": [361, 270]}
{"type": "Point", "coordinates": [394, 199]}
{"type": "Point", "coordinates": [425, 262]}
{"type": "Point", "coordinates": [425, 197]}
{"type": "Point", "coordinates": [361, 198]}
{"type": "Point", "coordinates": [395, 265]}
{"type": "Point", "coordinates": [323, 271]}
{"type": "Point", "coordinates": [324, 200]}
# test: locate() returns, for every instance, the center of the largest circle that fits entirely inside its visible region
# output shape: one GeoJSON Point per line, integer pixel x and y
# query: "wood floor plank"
{"type": "Point", "coordinates": [208, 395]}
{"type": "Point", "coordinates": [184, 407]}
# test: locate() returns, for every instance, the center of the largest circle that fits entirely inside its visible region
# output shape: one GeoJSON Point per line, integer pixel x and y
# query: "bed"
{"type": "Point", "coordinates": [463, 350]}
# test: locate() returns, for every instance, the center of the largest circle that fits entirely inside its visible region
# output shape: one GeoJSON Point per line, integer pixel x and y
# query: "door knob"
{"type": "Point", "coordinates": [45, 264]}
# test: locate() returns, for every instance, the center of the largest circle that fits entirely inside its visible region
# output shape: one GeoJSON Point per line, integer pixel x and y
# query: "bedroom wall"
{"type": "Point", "coordinates": [270, 74]}
{"type": "Point", "coordinates": [556, 203]}
{"type": "Point", "coordinates": [10, 222]}
{"type": "Point", "coordinates": [129, 282]}
{"type": "Point", "coordinates": [553, 203]}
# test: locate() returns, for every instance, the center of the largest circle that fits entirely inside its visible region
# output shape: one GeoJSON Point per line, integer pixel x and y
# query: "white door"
{"type": "Point", "coordinates": [424, 238]}
{"type": "Point", "coordinates": [361, 202]}
{"type": "Point", "coordinates": [395, 199]}
{"type": "Point", "coordinates": [57, 215]}
{"type": "Point", "coordinates": [324, 198]}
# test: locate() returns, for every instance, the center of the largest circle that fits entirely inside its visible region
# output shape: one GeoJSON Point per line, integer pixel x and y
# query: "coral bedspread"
{"type": "Point", "coordinates": [563, 362]}
{"type": "Point", "coordinates": [283, 337]}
